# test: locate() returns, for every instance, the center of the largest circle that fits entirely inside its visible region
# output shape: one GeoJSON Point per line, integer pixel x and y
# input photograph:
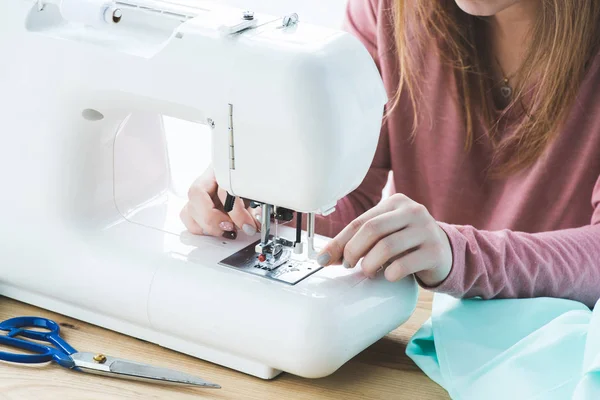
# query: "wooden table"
{"type": "Point", "coordinates": [382, 371]}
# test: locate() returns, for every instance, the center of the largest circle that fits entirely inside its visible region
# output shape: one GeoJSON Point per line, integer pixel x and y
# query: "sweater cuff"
{"type": "Point", "coordinates": [453, 285]}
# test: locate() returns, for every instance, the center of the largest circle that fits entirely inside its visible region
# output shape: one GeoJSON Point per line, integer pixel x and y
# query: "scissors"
{"type": "Point", "coordinates": [66, 356]}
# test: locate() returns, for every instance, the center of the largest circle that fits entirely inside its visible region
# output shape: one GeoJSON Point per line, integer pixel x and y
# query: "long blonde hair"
{"type": "Point", "coordinates": [564, 40]}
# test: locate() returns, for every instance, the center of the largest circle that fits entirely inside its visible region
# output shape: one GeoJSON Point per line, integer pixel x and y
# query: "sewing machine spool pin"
{"type": "Point", "coordinates": [290, 20]}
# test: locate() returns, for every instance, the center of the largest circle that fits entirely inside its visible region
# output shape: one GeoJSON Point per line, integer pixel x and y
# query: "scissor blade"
{"type": "Point", "coordinates": [156, 373]}
{"type": "Point", "coordinates": [118, 367]}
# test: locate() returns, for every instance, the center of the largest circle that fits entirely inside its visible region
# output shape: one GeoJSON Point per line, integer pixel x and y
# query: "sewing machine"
{"type": "Point", "coordinates": [90, 225]}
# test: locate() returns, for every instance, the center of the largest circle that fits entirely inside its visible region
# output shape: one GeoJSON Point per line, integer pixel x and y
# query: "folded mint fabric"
{"type": "Point", "coordinates": [542, 349]}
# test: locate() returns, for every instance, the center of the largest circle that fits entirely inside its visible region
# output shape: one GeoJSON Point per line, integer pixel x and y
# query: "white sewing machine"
{"type": "Point", "coordinates": [89, 228]}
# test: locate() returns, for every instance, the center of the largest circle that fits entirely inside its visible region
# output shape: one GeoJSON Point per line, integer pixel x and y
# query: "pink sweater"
{"type": "Point", "coordinates": [532, 234]}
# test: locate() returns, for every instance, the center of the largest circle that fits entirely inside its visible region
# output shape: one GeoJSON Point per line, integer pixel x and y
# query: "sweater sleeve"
{"type": "Point", "coordinates": [361, 21]}
{"type": "Point", "coordinates": [507, 264]}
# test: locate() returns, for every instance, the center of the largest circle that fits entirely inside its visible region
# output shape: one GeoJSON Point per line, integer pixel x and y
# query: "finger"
{"type": "Point", "coordinates": [375, 229]}
{"type": "Point", "coordinates": [221, 195]}
{"type": "Point", "coordinates": [209, 216]}
{"type": "Point", "coordinates": [206, 187]}
{"type": "Point", "coordinates": [392, 247]}
{"type": "Point", "coordinates": [421, 259]}
{"type": "Point", "coordinates": [257, 215]}
{"type": "Point", "coordinates": [212, 221]}
{"type": "Point", "coordinates": [334, 250]}
{"type": "Point", "coordinates": [242, 218]}
{"type": "Point", "coordinates": [240, 215]}
{"type": "Point", "coordinates": [205, 208]}
{"type": "Point", "coordinates": [191, 225]}
{"type": "Point", "coordinates": [203, 194]}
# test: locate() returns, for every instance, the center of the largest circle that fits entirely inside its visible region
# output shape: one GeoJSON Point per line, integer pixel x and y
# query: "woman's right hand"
{"type": "Point", "coordinates": [204, 213]}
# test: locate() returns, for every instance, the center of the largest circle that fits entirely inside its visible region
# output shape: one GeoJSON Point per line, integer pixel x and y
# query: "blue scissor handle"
{"type": "Point", "coordinates": [16, 327]}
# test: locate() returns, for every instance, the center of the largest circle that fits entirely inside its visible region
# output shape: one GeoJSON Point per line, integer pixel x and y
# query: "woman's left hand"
{"type": "Point", "coordinates": [398, 235]}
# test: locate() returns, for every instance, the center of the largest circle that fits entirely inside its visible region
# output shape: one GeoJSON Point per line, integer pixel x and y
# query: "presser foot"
{"type": "Point", "coordinates": [272, 250]}
{"type": "Point", "coordinates": [275, 260]}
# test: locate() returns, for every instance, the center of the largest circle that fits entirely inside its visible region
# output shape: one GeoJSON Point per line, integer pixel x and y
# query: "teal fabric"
{"type": "Point", "coordinates": [530, 349]}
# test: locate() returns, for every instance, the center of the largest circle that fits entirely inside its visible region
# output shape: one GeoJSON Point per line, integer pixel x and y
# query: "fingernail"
{"type": "Point", "coordinates": [347, 264]}
{"type": "Point", "coordinates": [249, 230]}
{"type": "Point", "coordinates": [230, 235]}
{"type": "Point", "coordinates": [226, 226]}
{"type": "Point", "coordinates": [324, 259]}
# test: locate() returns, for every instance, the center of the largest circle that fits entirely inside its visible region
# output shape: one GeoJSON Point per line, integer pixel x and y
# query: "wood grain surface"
{"type": "Point", "coordinates": [382, 371]}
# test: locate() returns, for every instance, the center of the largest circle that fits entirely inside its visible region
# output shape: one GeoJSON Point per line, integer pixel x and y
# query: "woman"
{"type": "Point", "coordinates": [493, 137]}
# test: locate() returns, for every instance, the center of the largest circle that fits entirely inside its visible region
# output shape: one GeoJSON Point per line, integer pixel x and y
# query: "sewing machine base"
{"type": "Point", "coordinates": [223, 358]}
{"type": "Point", "coordinates": [170, 290]}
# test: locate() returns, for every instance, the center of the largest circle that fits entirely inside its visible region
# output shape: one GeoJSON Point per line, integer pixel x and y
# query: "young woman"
{"type": "Point", "coordinates": [493, 138]}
